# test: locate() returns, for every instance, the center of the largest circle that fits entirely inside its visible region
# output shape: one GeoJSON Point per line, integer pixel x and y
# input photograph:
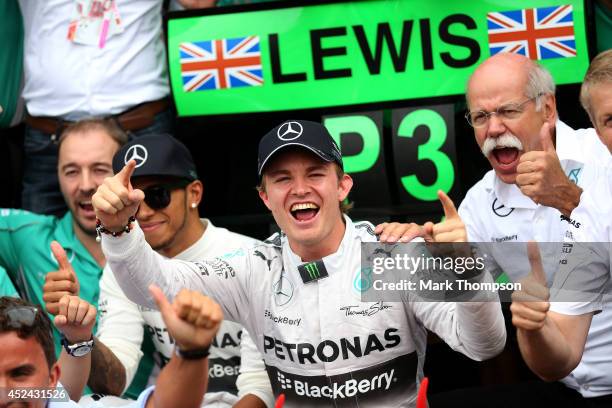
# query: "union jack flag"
{"type": "Point", "coordinates": [538, 33]}
{"type": "Point", "coordinates": [219, 64]}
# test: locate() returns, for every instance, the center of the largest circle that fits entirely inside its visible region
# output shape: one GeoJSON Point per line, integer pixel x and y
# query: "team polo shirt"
{"type": "Point", "coordinates": [25, 253]}
{"type": "Point", "coordinates": [496, 212]}
{"type": "Point", "coordinates": [593, 377]}
{"type": "Point", "coordinates": [6, 286]}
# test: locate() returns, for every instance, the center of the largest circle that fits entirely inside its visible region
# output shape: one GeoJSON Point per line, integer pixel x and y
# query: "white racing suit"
{"type": "Point", "coordinates": [321, 345]}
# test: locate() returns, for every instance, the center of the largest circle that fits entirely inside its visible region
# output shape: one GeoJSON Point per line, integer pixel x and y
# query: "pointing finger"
{"type": "Point", "coordinates": [447, 204]}
{"type": "Point", "coordinates": [126, 173]}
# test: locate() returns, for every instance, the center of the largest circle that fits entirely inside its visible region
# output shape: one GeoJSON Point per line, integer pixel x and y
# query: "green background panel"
{"type": "Point", "coordinates": [293, 27]}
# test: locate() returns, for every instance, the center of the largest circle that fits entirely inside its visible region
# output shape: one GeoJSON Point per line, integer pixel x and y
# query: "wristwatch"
{"type": "Point", "coordinates": [192, 354]}
{"type": "Point", "coordinates": [79, 349]}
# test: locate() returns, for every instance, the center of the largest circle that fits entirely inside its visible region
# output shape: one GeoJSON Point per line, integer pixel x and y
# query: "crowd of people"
{"type": "Point", "coordinates": [115, 292]}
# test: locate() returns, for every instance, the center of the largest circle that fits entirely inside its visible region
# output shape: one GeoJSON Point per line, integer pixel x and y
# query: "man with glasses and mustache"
{"type": "Point", "coordinates": [536, 182]}
{"type": "Point", "coordinates": [171, 224]}
{"type": "Point", "coordinates": [538, 161]}
{"type": "Point", "coordinates": [30, 372]}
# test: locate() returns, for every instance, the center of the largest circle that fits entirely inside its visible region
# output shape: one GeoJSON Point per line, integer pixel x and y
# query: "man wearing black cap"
{"type": "Point", "coordinates": [295, 292]}
{"type": "Point", "coordinates": [169, 218]}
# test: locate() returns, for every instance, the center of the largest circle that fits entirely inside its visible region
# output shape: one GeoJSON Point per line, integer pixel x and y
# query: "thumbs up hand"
{"type": "Point", "coordinates": [116, 200]}
{"type": "Point", "coordinates": [192, 319]}
{"type": "Point", "coordinates": [75, 318]}
{"type": "Point", "coordinates": [539, 173]}
{"type": "Point", "coordinates": [530, 304]}
{"type": "Point", "coordinates": [451, 229]}
{"type": "Point", "coordinates": [61, 282]}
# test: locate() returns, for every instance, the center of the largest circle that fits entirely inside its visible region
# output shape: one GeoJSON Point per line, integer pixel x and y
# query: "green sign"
{"type": "Point", "coordinates": [340, 54]}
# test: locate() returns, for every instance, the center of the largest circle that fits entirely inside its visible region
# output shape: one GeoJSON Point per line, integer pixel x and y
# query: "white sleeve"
{"type": "Point", "coordinates": [121, 325]}
{"type": "Point", "coordinates": [475, 329]}
{"type": "Point", "coordinates": [583, 277]}
{"type": "Point", "coordinates": [253, 378]}
{"type": "Point", "coordinates": [136, 266]}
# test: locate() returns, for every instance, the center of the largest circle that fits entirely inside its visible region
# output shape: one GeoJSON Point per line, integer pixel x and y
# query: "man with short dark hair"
{"type": "Point", "coordinates": [29, 369]}
{"type": "Point", "coordinates": [292, 291]}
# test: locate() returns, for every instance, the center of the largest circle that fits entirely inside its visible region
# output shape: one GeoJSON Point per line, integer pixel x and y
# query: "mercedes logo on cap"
{"type": "Point", "coordinates": [289, 131]}
{"type": "Point", "coordinates": [138, 153]}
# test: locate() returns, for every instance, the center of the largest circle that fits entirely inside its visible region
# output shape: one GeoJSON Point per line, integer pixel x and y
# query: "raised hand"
{"type": "Point", "coordinates": [451, 229]}
{"type": "Point", "coordinates": [75, 318]}
{"type": "Point", "coordinates": [539, 173]}
{"type": "Point", "coordinates": [116, 200]}
{"type": "Point", "coordinates": [61, 282]}
{"type": "Point", "coordinates": [192, 319]}
{"type": "Point", "coordinates": [530, 304]}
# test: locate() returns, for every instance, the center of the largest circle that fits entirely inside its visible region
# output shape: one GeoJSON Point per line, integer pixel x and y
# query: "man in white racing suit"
{"type": "Point", "coordinates": [172, 226]}
{"type": "Point", "coordinates": [293, 293]}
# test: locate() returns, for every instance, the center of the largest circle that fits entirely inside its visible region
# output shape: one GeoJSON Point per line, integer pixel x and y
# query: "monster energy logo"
{"type": "Point", "coordinates": [312, 271]}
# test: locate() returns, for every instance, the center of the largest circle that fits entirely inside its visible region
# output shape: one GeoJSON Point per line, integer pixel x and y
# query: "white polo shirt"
{"type": "Point", "coordinates": [497, 212]}
{"type": "Point", "coordinates": [72, 80]}
{"type": "Point", "coordinates": [593, 377]}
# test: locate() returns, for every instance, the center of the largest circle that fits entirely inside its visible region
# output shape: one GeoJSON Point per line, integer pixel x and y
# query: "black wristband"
{"type": "Point", "coordinates": [192, 354]}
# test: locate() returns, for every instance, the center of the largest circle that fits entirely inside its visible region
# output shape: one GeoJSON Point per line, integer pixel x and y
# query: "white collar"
{"type": "Point", "coordinates": [329, 259]}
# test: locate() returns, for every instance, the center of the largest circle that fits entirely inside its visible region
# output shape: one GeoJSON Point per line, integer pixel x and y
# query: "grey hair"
{"type": "Point", "coordinates": [539, 82]}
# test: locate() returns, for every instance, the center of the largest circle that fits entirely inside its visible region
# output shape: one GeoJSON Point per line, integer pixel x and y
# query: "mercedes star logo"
{"type": "Point", "coordinates": [501, 210]}
{"type": "Point", "coordinates": [290, 131]}
{"type": "Point", "coordinates": [282, 291]}
{"type": "Point", "coordinates": [138, 153]}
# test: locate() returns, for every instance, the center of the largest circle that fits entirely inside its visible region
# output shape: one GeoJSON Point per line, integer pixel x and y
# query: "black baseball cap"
{"type": "Point", "coordinates": [298, 133]}
{"type": "Point", "coordinates": [157, 155]}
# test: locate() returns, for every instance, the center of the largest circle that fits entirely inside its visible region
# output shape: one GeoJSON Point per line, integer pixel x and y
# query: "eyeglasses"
{"type": "Point", "coordinates": [159, 196]}
{"type": "Point", "coordinates": [20, 317]}
{"type": "Point", "coordinates": [509, 111]}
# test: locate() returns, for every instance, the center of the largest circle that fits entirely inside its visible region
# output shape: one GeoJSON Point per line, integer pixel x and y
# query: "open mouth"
{"type": "Point", "coordinates": [304, 211]}
{"type": "Point", "coordinates": [86, 206]}
{"type": "Point", "coordinates": [506, 155]}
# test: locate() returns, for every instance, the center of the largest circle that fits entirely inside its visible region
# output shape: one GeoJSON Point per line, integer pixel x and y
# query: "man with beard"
{"type": "Point", "coordinates": [86, 151]}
